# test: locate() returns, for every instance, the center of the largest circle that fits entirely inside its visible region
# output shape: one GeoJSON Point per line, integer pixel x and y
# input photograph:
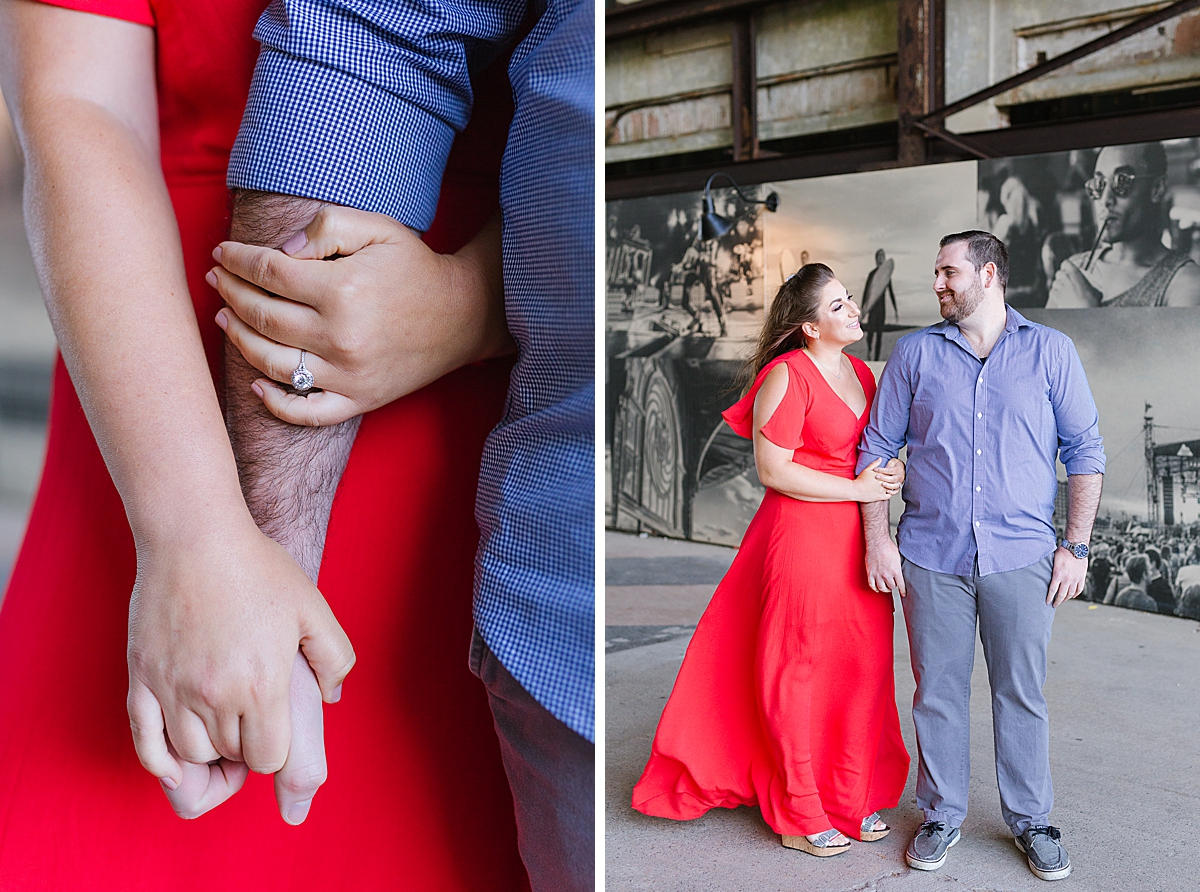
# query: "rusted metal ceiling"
{"type": "Point", "coordinates": [920, 99]}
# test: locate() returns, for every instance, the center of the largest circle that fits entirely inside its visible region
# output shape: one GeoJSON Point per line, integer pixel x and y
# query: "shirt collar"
{"type": "Point", "coordinates": [1012, 321]}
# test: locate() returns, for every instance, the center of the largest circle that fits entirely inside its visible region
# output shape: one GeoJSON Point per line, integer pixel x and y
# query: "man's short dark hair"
{"type": "Point", "coordinates": [982, 248]}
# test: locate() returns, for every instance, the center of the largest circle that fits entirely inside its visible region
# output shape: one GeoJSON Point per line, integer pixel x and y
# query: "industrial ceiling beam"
{"type": "Point", "coordinates": [920, 72]}
{"type": "Point", "coordinates": [744, 93]}
{"type": "Point", "coordinates": [1030, 139]}
{"type": "Point", "coordinates": [652, 15]}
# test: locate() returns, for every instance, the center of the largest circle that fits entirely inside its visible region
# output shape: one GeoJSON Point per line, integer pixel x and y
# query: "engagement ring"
{"type": "Point", "coordinates": [302, 378]}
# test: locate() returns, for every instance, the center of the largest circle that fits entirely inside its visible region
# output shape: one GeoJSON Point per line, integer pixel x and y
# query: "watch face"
{"type": "Point", "coordinates": [1080, 550]}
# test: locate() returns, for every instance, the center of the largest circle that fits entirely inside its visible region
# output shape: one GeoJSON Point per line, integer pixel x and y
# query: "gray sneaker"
{"type": "Point", "coordinates": [1047, 857]}
{"type": "Point", "coordinates": [930, 845]}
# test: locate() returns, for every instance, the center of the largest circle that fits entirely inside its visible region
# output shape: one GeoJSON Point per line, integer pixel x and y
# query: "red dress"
{"type": "Point", "coordinates": [786, 698]}
{"type": "Point", "coordinates": [417, 797]}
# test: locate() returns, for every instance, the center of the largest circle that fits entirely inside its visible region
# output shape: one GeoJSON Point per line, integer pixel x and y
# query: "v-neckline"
{"type": "Point", "coordinates": [857, 416]}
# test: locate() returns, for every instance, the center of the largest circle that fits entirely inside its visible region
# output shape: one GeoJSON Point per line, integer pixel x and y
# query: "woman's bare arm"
{"type": "Point", "coordinates": [777, 470]}
{"type": "Point", "coordinates": [218, 609]}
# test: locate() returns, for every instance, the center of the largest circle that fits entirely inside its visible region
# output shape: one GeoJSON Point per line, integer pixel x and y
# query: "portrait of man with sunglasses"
{"type": "Point", "coordinates": [1127, 265]}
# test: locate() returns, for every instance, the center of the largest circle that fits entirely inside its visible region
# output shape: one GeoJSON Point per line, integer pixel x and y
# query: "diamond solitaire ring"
{"type": "Point", "coordinates": [302, 378]}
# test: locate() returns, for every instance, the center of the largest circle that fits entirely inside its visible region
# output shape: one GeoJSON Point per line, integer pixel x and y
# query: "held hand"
{"type": "Point", "coordinates": [305, 770]}
{"type": "Point", "coordinates": [1067, 579]}
{"type": "Point", "coordinates": [884, 573]}
{"type": "Point", "coordinates": [875, 484]}
{"type": "Point", "coordinates": [213, 634]}
{"type": "Point", "coordinates": [205, 786]}
{"type": "Point", "coordinates": [1071, 289]}
{"type": "Point", "coordinates": [384, 317]}
{"type": "Point", "coordinates": [893, 473]}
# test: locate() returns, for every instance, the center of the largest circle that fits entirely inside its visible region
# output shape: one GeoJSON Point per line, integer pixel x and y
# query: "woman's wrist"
{"type": "Point", "coordinates": [479, 300]}
{"type": "Point", "coordinates": [189, 519]}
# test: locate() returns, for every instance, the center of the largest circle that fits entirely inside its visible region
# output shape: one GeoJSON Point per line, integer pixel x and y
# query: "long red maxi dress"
{"type": "Point", "coordinates": [416, 797]}
{"type": "Point", "coordinates": [786, 698]}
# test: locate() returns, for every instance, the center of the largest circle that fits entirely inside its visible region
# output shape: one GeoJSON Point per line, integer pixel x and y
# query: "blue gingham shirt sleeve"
{"type": "Point", "coordinates": [357, 102]}
{"type": "Point", "coordinates": [886, 431]}
{"type": "Point", "coordinates": [1080, 447]}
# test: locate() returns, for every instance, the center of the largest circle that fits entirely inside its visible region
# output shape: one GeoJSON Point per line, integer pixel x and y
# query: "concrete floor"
{"type": "Point", "coordinates": [27, 350]}
{"type": "Point", "coordinates": [1124, 695]}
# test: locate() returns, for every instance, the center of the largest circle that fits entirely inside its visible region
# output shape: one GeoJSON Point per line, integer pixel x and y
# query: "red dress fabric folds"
{"type": "Point", "coordinates": [786, 697]}
{"type": "Point", "coordinates": [417, 797]}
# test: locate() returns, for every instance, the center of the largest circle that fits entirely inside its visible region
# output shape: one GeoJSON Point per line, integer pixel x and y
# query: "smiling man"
{"type": "Point", "coordinates": [1129, 267]}
{"type": "Point", "coordinates": [985, 401]}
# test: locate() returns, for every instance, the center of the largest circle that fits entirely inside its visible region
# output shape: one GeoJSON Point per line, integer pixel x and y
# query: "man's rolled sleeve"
{"type": "Point", "coordinates": [357, 102]}
{"type": "Point", "coordinates": [345, 141]}
{"type": "Point", "coordinates": [1080, 447]}
{"type": "Point", "coordinates": [885, 433]}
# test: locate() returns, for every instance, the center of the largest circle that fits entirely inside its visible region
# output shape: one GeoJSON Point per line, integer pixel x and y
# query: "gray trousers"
{"type": "Point", "coordinates": [552, 773]}
{"type": "Point", "coordinates": [1014, 626]}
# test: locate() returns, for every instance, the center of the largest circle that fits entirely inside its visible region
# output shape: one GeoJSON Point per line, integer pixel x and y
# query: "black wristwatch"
{"type": "Point", "coordinates": [1079, 549]}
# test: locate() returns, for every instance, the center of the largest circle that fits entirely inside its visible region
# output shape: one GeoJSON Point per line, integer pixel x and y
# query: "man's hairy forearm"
{"type": "Point", "coordinates": [289, 474]}
{"type": "Point", "coordinates": [1083, 501]}
{"type": "Point", "coordinates": [875, 517]}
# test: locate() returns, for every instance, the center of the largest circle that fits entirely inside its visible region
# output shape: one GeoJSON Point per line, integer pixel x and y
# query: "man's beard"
{"type": "Point", "coordinates": [963, 305]}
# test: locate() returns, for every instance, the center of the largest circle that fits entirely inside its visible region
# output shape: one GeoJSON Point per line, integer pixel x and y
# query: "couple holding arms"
{"type": "Point", "coordinates": [460, 537]}
{"type": "Point", "coordinates": [786, 697]}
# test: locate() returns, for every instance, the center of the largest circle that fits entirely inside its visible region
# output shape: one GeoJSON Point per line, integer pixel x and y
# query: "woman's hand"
{"type": "Point", "coordinates": [876, 484]}
{"type": "Point", "coordinates": [384, 317]}
{"type": "Point", "coordinates": [213, 635]}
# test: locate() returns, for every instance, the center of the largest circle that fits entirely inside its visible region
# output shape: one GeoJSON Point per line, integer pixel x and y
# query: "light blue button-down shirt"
{"type": "Point", "coordinates": [357, 102]}
{"type": "Point", "coordinates": [982, 438]}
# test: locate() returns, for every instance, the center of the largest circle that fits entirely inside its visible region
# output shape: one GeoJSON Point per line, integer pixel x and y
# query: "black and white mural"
{"type": "Point", "coordinates": [1113, 226]}
{"type": "Point", "coordinates": [1104, 245]}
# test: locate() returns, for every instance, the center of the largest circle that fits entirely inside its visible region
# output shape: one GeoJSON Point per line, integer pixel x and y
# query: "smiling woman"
{"type": "Point", "coordinates": [786, 699]}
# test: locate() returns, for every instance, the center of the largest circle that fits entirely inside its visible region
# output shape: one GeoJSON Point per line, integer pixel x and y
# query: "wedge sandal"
{"type": "Point", "coordinates": [868, 833]}
{"type": "Point", "coordinates": [820, 845]}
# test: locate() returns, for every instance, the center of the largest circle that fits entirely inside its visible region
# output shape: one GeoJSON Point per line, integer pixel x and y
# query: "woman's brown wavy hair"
{"type": "Point", "coordinates": [797, 301]}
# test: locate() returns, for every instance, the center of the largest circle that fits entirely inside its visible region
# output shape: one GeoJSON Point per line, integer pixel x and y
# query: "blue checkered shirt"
{"type": "Point", "coordinates": [357, 102]}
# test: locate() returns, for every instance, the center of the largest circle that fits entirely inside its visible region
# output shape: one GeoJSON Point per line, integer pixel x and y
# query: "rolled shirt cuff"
{"type": "Point", "coordinates": [1085, 464]}
{"type": "Point", "coordinates": [315, 132]}
{"type": "Point", "coordinates": [865, 458]}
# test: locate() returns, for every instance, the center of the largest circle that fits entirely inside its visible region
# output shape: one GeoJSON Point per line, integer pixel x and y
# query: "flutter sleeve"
{"type": "Point", "coordinates": [136, 11]}
{"type": "Point", "coordinates": [786, 426]}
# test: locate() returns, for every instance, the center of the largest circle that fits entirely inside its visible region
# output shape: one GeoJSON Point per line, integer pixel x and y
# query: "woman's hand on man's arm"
{"type": "Point", "coordinates": [777, 470]}
{"type": "Point", "coordinates": [382, 317]}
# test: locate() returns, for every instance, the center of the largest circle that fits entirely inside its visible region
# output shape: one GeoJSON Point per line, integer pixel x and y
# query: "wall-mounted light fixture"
{"type": "Point", "coordinates": [712, 224]}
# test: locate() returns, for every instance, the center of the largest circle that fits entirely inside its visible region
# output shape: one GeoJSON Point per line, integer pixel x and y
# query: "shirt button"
{"type": "Point", "coordinates": [979, 415]}
{"type": "Point", "coordinates": [978, 488]}
{"type": "Point", "coordinates": [980, 381]}
{"type": "Point", "coordinates": [976, 523]}
{"type": "Point", "coordinates": [979, 452]}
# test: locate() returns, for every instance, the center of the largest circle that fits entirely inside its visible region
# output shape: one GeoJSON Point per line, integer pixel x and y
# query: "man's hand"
{"type": "Point", "coordinates": [384, 317]}
{"type": "Point", "coordinates": [1071, 289]}
{"type": "Point", "coordinates": [205, 786]}
{"type": "Point", "coordinates": [883, 566]}
{"type": "Point", "coordinates": [883, 558]}
{"type": "Point", "coordinates": [213, 635]}
{"type": "Point", "coordinates": [1068, 577]}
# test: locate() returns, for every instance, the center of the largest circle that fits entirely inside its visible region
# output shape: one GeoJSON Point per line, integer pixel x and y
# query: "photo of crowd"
{"type": "Point", "coordinates": [1146, 570]}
